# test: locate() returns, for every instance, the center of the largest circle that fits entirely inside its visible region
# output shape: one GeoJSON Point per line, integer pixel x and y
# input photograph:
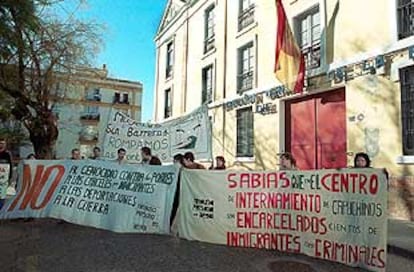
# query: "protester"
{"type": "Point", "coordinates": [220, 164]}
{"type": "Point", "coordinates": [361, 160]}
{"type": "Point", "coordinates": [5, 158]}
{"type": "Point", "coordinates": [76, 155]}
{"type": "Point", "coordinates": [178, 159]}
{"type": "Point", "coordinates": [121, 156]}
{"type": "Point", "coordinates": [96, 153]}
{"type": "Point", "coordinates": [287, 161]}
{"type": "Point", "coordinates": [31, 156]}
{"type": "Point", "coordinates": [188, 162]}
{"type": "Point", "coordinates": [148, 158]}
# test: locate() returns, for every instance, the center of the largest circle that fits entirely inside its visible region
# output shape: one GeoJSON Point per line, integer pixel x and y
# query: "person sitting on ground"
{"type": "Point", "coordinates": [148, 158]}
{"type": "Point", "coordinates": [96, 153]}
{"type": "Point", "coordinates": [188, 162]}
{"type": "Point", "coordinates": [287, 161]}
{"type": "Point", "coordinates": [361, 160]}
{"type": "Point", "coordinates": [76, 155]}
{"type": "Point", "coordinates": [220, 164]}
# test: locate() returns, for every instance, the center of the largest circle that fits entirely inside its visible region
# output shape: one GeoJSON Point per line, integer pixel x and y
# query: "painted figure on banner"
{"type": "Point", "coordinates": [188, 162]}
{"type": "Point", "coordinates": [220, 164]}
{"type": "Point", "coordinates": [96, 153]}
{"type": "Point", "coordinates": [75, 154]}
{"type": "Point", "coordinates": [121, 159]}
{"type": "Point", "coordinates": [287, 161]}
{"type": "Point", "coordinates": [148, 158]}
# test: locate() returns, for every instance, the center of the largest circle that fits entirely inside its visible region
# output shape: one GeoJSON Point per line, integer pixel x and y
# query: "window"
{"type": "Point", "coordinates": [308, 26]}
{"type": "Point", "coordinates": [170, 60]}
{"type": "Point", "coordinates": [245, 68]}
{"type": "Point", "coordinates": [117, 98]}
{"type": "Point", "coordinates": [246, 13]}
{"type": "Point", "coordinates": [207, 91]}
{"type": "Point", "coordinates": [167, 104]}
{"type": "Point", "coordinates": [93, 95]}
{"type": "Point", "coordinates": [125, 98]}
{"type": "Point", "coordinates": [405, 18]}
{"type": "Point", "coordinates": [209, 29]}
{"type": "Point", "coordinates": [407, 109]}
{"type": "Point", "coordinates": [245, 134]}
{"type": "Point", "coordinates": [90, 113]}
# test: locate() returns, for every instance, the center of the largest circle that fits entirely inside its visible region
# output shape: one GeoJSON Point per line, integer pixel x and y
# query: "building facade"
{"type": "Point", "coordinates": [82, 105]}
{"type": "Point", "coordinates": [358, 94]}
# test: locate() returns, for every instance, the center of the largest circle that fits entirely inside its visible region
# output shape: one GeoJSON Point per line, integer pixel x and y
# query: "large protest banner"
{"type": "Point", "coordinates": [4, 179]}
{"type": "Point", "coordinates": [190, 132]}
{"type": "Point", "coordinates": [337, 215]}
{"type": "Point", "coordinates": [122, 198]}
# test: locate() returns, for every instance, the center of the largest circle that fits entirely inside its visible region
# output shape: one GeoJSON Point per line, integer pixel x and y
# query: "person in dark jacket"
{"type": "Point", "coordinates": [148, 158]}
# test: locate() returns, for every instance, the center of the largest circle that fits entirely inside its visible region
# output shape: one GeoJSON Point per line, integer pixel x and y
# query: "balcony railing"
{"type": "Point", "coordinates": [245, 81]}
{"type": "Point", "coordinates": [312, 55]}
{"type": "Point", "coordinates": [90, 116]}
{"type": "Point", "coordinates": [93, 97]}
{"type": "Point", "coordinates": [209, 43]}
{"type": "Point", "coordinates": [246, 17]}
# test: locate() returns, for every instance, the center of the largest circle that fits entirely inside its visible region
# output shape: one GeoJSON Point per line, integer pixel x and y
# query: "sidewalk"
{"type": "Point", "coordinates": [401, 237]}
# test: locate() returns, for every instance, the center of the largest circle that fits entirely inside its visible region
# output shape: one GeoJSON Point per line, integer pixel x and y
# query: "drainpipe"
{"type": "Point", "coordinates": [186, 59]}
{"type": "Point", "coordinates": [224, 76]}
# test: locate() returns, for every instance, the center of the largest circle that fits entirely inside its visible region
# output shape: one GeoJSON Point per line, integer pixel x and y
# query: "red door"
{"type": "Point", "coordinates": [316, 130]}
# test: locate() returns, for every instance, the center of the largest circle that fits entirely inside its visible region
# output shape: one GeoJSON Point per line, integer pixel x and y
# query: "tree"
{"type": "Point", "coordinates": [35, 55]}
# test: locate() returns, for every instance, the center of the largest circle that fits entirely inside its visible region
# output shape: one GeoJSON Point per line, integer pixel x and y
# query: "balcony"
{"type": "Point", "coordinates": [246, 17]}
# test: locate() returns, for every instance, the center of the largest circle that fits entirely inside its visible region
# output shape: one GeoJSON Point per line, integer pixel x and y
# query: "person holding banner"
{"type": "Point", "coordinates": [75, 154]}
{"type": "Point", "coordinates": [188, 162]}
{"type": "Point", "coordinates": [287, 161]}
{"type": "Point", "coordinates": [6, 160]}
{"type": "Point", "coordinates": [220, 164]}
{"type": "Point", "coordinates": [96, 153]}
{"type": "Point", "coordinates": [148, 158]}
{"type": "Point", "coordinates": [121, 156]}
{"type": "Point", "coordinates": [361, 160]}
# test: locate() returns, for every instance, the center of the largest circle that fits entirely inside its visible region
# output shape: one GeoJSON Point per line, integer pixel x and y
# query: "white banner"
{"type": "Point", "coordinates": [191, 132]}
{"type": "Point", "coordinates": [334, 215]}
{"type": "Point", "coordinates": [4, 179]}
{"type": "Point", "coordinates": [122, 198]}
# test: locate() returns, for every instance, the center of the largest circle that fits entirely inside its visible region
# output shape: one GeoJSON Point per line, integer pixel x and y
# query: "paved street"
{"type": "Point", "coordinates": [45, 245]}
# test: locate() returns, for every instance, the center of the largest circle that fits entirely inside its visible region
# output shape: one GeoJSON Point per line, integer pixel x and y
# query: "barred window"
{"type": "Point", "coordinates": [207, 91]}
{"type": "Point", "coordinates": [167, 104]}
{"type": "Point", "coordinates": [209, 35]}
{"type": "Point", "coordinates": [308, 27]}
{"type": "Point", "coordinates": [170, 60]}
{"type": "Point", "coordinates": [246, 13]}
{"type": "Point", "coordinates": [405, 18]}
{"type": "Point", "coordinates": [407, 109]}
{"type": "Point", "coordinates": [245, 68]}
{"type": "Point", "coordinates": [245, 133]}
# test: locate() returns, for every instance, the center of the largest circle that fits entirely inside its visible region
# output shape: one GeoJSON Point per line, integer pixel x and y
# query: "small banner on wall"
{"type": "Point", "coordinates": [191, 132]}
{"type": "Point", "coordinates": [121, 198]}
{"type": "Point", "coordinates": [336, 215]}
{"type": "Point", "coordinates": [4, 179]}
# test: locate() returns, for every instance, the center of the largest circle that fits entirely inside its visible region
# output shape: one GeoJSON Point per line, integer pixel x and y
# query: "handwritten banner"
{"type": "Point", "coordinates": [4, 179]}
{"type": "Point", "coordinates": [122, 198]}
{"type": "Point", "coordinates": [191, 132]}
{"type": "Point", "coordinates": [334, 215]}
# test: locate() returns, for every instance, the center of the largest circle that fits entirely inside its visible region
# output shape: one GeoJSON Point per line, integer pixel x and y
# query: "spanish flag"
{"type": "Point", "coordinates": [289, 60]}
